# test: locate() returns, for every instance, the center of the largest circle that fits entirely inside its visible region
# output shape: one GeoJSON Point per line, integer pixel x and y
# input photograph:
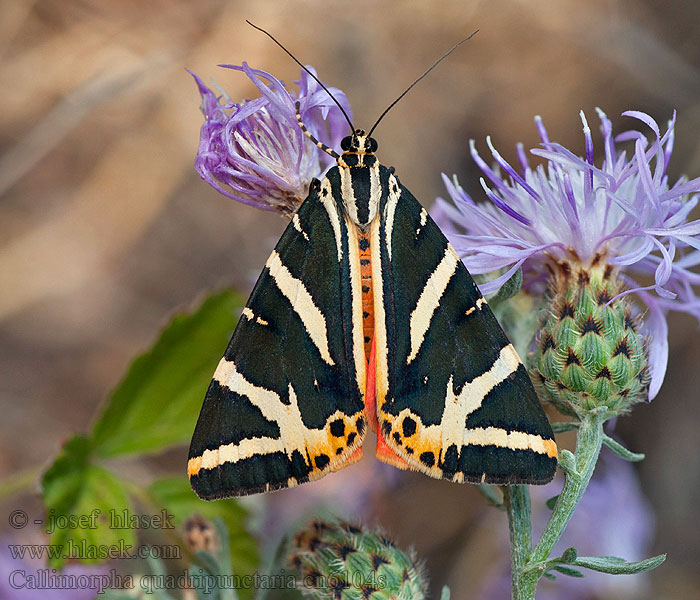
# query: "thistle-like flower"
{"type": "Point", "coordinates": [339, 561]}
{"type": "Point", "coordinates": [255, 152]}
{"type": "Point", "coordinates": [583, 235]}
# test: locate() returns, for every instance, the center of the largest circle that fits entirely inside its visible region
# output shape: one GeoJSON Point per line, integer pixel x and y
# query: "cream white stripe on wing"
{"type": "Point", "coordinates": [375, 192]}
{"type": "Point", "coordinates": [329, 204]}
{"type": "Point", "coordinates": [479, 303]}
{"type": "Point", "coordinates": [358, 349]}
{"type": "Point", "coordinates": [302, 303]}
{"type": "Point", "coordinates": [514, 440]}
{"type": "Point", "coordinates": [348, 193]}
{"type": "Point", "coordinates": [459, 407]}
{"type": "Point", "coordinates": [433, 437]}
{"type": "Point", "coordinates": [429, 300]}
{"type": "Point", "coordinates": [390, 211]}
{"type": "Point", "coordinates": [244, 449]}
{"type": "Point", "coordinates": [248, 314]}
{"type": "Point", "coordinates": [297, 225]}
{"type": "Point", "coordinates": [423, 220]}
{"type": "Point", "coordinates": [503, 367]}
{"type": "Point", "coordinates": [287, 416]}
{"type": "Point", "coordinates": [294, 435]}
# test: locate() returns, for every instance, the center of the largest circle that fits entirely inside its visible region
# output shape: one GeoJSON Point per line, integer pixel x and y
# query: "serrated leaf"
{"type": "Point", "coordinates": [157, 403]}
{"type": "Point", "coordinates": [79, 496]}
{"type": "Point", "coordinates": [618, 566]}
{"type": "Point", "coordinates": [176, 496]}
{"type": "Point", "coordinates": [567, 571]}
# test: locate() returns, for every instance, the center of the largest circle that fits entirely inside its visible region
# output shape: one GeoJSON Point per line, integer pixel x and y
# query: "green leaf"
{"type": "Point", "coordinates": [116, 595]}
{"type": "Point", "coordinates": [445, 594]}
{"type": "Point", "coordinates": [157, 403]}
{"type": "Point", "coordinates": [492, 495]}
{"type": "Point", "coordinates": [564, 426]}
{"type": "Point", "coordinates": [569, 555]}
{"type": "Point", "coordinates": [212, 574]}
{"type": "Point", "coordinates": [551, 502]}
{"type": "Point", "coordinates": [567, 463]}
{"type": "Point", "coordinates": [618, 566]}
{"type": "Point", "coordinates": [79, 497]}
{"type": "Point", "coordinates": [568, 571]}
{"type": "Point", "coordinates": [149, 585]}
{"type": "Point", "coordinates": [158, 573]}
{"type": "Point", "coordinates": [619, 450]}
{"type": "Point", "coordinates": [282, 574]}
{"type": "Point", "coordinates": [509, 289]}
{"type": "Point", "coordinates": [176, 496]}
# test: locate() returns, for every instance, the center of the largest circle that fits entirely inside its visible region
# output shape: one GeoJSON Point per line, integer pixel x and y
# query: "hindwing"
{"type": "Point", "coordinates": [453, 398]}
{"type": "Point", "coordinates": [285, 404]}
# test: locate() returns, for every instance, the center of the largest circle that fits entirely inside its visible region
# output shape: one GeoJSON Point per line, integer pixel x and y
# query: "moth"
{"type": "Point", "coordinates": [364, 318]}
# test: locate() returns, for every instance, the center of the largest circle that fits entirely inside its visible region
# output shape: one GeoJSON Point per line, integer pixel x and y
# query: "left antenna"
{"type": "Point", "coordinates": [316, 79]}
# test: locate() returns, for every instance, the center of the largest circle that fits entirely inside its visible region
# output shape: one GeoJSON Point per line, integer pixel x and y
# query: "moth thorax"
{"type": "Point", "coordinates": [361, 193]}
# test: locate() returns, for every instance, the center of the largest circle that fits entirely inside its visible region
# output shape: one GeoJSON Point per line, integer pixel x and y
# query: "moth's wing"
{"type": "Point", "coordinates": [453, 398]}
{"type": "Point", "coordinates": [285, 404]}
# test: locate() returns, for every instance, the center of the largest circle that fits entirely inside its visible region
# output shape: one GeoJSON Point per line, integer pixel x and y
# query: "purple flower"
{"type": "Point", "coordinates": [255, 152]}
{"type": "Point", "coordinates": [624, 212]}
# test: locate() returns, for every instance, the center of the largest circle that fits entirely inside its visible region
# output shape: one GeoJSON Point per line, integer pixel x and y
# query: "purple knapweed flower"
{"type": "Point", "coordinates": [624, 213]}
{"type": "Point", "coordinates": [255, 152]}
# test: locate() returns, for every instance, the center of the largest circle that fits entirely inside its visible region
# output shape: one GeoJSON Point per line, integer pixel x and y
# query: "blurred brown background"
{"type": "Point", "coordinates": [107, 229]}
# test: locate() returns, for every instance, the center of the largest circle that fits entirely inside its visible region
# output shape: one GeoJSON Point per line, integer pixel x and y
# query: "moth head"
{"type": "Point", "coordinates": [359, 142]}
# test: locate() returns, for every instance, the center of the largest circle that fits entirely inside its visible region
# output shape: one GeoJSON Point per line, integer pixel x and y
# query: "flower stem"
{"type": "Point", "coordinates": [516, 499]}
{"type": "Point", "coordinates": [578, 474]}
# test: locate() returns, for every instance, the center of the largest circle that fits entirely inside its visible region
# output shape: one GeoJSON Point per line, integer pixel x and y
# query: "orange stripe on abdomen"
{"type": "Point", "coordinates": [367, 291]}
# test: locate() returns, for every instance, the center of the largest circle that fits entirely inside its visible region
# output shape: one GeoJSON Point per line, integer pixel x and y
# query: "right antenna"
{"type": "Point", "coordinates": [410, 87]}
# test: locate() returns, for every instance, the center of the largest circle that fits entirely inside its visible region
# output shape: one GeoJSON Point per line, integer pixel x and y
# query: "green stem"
{"type": "Point", "coordinates": [588, 444]}
{"type": "Point", "coordinates": [20, 481]}
{"type": "Point", "coordinates": [516, 499]}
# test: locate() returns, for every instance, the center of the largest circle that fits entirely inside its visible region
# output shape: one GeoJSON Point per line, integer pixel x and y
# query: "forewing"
{"type": "Point", "coordinates": [285, 404]}
{"type": "Point", "coordinates": [453, 398]}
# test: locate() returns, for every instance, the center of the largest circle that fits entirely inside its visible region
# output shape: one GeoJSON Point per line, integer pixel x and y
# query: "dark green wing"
{"type": "Point", "coordinates": [453, 398]}
{"type": "Point", "coordinates": [284, 405]}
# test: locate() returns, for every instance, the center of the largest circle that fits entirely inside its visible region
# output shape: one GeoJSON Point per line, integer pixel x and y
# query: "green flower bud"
{"type": "Point", "coordinates": [339, 561]}
{"type": "Point", "coordinates": [589, 350]}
